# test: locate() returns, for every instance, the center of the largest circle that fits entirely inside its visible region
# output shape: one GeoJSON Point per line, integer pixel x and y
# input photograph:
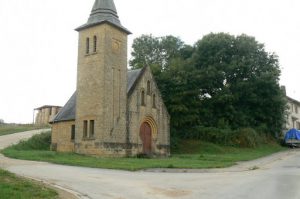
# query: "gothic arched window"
{"type": "Point", "coordinates": [143, 98]}
{"type": "Point", "coordinates": [148, 88]}
{"type": "Point", "coordinates": [87, 50]}
{"type": "Point", "coordinates": [95, 43]}
{"type": "Point", "coordinates": [154, 101]}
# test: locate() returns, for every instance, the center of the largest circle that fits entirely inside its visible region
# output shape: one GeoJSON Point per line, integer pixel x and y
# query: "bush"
{"type": "Point", "coordinates": [37, 142]}
{"type": "Point", "coordinates": [244, 137]}
{"type": "Point", "coordinates": [211, 134]}
{"type": "Point", "coordinates": [247, 138]}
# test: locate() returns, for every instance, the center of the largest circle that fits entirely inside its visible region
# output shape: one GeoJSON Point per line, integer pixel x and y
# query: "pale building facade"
{"type": "Point", "coordinates": [114, 112]}
{"type": "Point", "coordinates": [45, 114]}
{"type": "Point", "coordinates": [293, 117]}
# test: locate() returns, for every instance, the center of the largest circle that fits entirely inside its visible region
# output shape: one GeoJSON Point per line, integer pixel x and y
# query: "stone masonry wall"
{"type": "Point", "coordinates": [101, 90]}
{"type": "Point", "coordinates": [137, 114]}
{"type": "Point", "coordinates": [61, 137]}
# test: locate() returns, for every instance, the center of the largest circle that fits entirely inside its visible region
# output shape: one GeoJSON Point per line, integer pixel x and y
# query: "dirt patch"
{"type": "Point", "coordinates": [172, 193]}
{"type": "Point", "coordinates": [63, 194]}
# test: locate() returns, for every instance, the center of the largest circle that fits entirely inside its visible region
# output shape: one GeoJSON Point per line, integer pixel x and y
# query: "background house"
{"type": "Point", "coordinates": [293, 117]}
{"type": "Point", "coordinates": [45, 114]}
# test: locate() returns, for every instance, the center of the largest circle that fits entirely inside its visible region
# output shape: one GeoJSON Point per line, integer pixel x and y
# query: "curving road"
{"type": "Point", "coordinates": [277, 177]}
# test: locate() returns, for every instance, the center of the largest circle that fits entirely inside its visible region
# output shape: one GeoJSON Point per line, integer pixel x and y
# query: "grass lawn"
{"type": "Point", "coordinates": [6, 129]}
{"type": "Point", "coordinates": [191, 154]}
{"type": "Point", "coordinates": [12, 187]}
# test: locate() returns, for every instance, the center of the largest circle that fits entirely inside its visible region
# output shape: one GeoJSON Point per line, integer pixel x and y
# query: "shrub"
{"type": "Point", "coordinates": [244, 137]}
{"type": "Point", "coordinates": [37, 142]}
{"type": "Point", "coordinates": [211, 134]}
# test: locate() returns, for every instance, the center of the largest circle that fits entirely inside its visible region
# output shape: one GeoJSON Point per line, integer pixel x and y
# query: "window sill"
{"type": "Point", "coordinates": [88, 139]}
{"type": "Point", "coordinates": [90, 54]}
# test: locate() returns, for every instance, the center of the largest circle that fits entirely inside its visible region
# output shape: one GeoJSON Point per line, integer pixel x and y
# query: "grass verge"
{"type": "Point", "coordinates": [191, 155]}
{"type": "Point", "coordinates": [12, 187]}
{"type": "Point", "coordinates": [6, 129]}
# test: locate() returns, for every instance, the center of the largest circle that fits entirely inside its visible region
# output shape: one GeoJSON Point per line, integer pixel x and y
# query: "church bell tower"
{"type": "Point", "coordinates": [101, 82]}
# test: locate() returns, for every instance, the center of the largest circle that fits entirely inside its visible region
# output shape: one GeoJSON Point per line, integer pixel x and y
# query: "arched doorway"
{"type": "Point", "coordinates": [146, 137]}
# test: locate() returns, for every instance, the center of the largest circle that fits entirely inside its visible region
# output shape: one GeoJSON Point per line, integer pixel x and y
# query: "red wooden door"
{"type": "Point", "coordinates": [146, 138]}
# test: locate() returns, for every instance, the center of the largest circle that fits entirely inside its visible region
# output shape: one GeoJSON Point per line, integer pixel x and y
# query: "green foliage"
{"type": "Point", "coordinates": [243, 137]}
{"type": "Point", "coordinates": [222, 84]}
{"type": "Point", "coordinates": [156, 52]}
{"type": "Point", "coordinates": [192, 154]}
{"type": "Point", "coordinates": [241, 81]}
{"type": "Point", "coordinates": [12, 187]}
{"type": "Point", "coordinates": [37, 142]}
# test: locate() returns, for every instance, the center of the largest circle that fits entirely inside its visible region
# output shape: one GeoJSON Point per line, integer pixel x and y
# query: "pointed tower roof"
{"type": "Point", "coordinates": [104, 11]}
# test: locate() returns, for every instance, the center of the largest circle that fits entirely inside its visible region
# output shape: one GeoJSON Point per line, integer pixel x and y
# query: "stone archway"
{"type": "Point", "coordinates": [146, 137]}
{"type": "Point", "coordinates": [148, 134]}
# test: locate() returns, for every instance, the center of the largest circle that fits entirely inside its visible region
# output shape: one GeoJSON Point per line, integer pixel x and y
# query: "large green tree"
{"type": "Point", "coordinates": [222, 81]}
{"type": "Point", "coordinates": [239, 82]}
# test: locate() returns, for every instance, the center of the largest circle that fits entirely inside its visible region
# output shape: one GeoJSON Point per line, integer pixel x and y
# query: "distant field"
{"type": "Point", "coordinates": [190, 155]}
{"type": "Point", "coordinates": [13, 187]}
{"type": "Point", "coordinates": [6, 129]}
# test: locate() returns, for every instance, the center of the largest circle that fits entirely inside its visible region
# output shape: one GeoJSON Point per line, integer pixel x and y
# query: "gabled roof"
{"type": "Point", "coordinates": [67, 113]}
{"type": "Point", "coordinates": [104, 11]}
{"type": "Point", "coordinates": [132, 78]}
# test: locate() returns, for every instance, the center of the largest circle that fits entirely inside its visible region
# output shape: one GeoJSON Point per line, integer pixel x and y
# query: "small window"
{"type": "Point", "coordinates": [154, 101]}
{"type": "Point", "coordinates": [87, 46]}
{"type": "Point", "coordinates": [92, 128]}
{"type": "Point", "coordinates": [73, 132]}
{"type": "Point", "coordinates": [50, 112]}
{"type": "Point", "coordinates": [85, 127]}
{"type": "Point", "coordinates": [296, 109]}
{"type": "Point", "coordinates": [95, 44]}
{"type": "Point", "coordinates": [148, 88]}
{"type": "Point", "coordinates": [143, 98]}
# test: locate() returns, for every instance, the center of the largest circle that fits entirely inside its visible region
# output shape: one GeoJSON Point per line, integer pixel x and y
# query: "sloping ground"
{"type": "Point", "coordinates": [6, 129]}
{"type": "Point", "coordinates": [14, 187]}
{"type": "Point", "coordinates": [271, 179]}
{"type": "Point", "coordinates": [193, 154]}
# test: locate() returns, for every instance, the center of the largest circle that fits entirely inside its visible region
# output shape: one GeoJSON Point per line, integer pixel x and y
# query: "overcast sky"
{"type": "Point", "coordinates": [38, 44]}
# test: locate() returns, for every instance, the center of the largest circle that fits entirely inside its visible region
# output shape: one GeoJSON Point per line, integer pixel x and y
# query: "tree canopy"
{"type": "Point", "coordinates": [223, 81]}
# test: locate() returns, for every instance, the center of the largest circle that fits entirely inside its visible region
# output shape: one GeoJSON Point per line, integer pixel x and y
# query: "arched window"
{"type": "Point", "coordinates": [87, 51]}
{"type": "Point", "coordinates": [154, 101]}
{"type": "Point", "coordinates": [148, 88]}
{"type": "Point", "coordinates": [143, 98]}
{"type": "Point", "coordinates": [95, 43]}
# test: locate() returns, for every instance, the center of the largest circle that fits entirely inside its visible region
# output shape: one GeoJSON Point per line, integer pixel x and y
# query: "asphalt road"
{"type": "Point", "coordinates": [274, 177]}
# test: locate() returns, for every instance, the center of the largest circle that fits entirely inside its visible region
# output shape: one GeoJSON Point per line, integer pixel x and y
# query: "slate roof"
{"type": "Point", "coordinates": [67, 113]}
{"type": "Point", "coordinates": [104, 11]}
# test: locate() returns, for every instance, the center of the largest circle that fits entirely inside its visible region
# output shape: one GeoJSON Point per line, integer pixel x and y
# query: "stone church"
{"type": "Point", "coordinates": [114, 112]}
